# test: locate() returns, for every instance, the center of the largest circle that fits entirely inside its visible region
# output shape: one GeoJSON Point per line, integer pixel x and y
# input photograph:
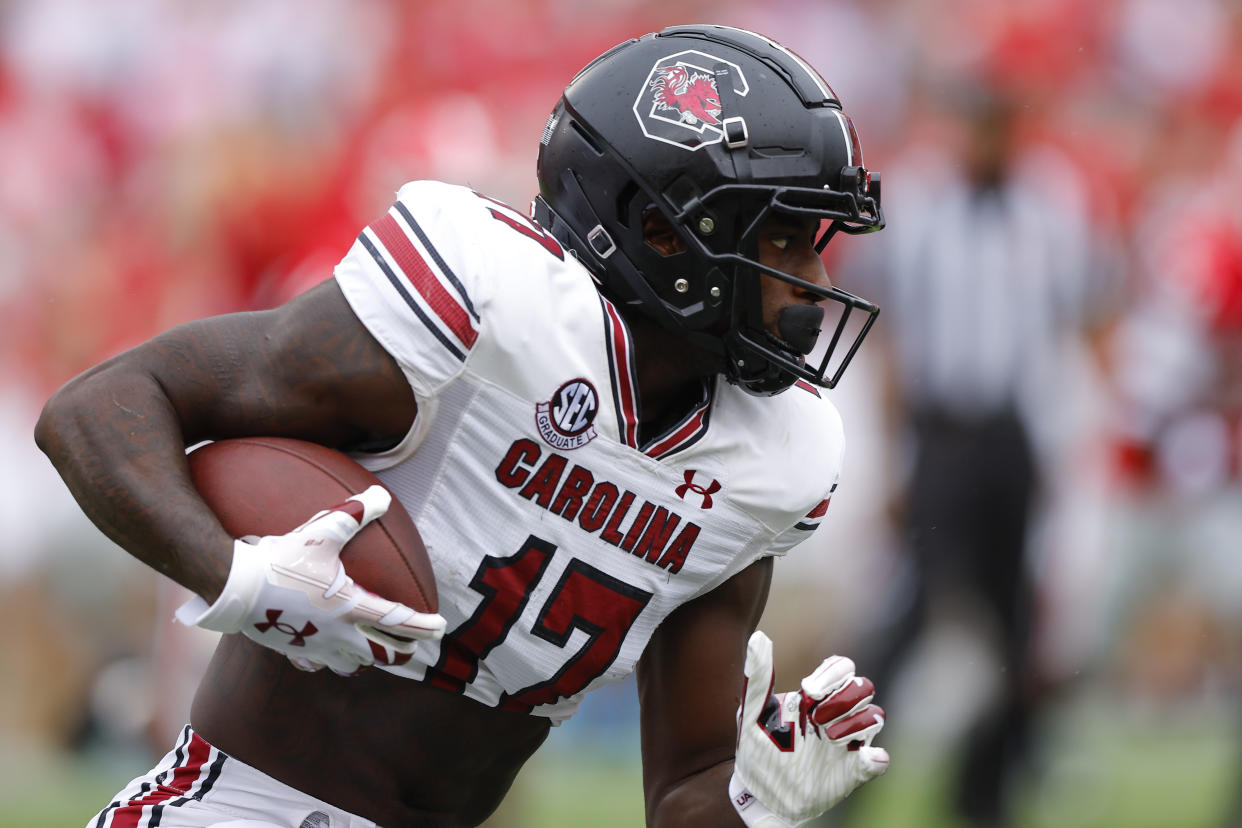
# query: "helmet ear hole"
{"type": "Point", "coordinates": [659, 235]}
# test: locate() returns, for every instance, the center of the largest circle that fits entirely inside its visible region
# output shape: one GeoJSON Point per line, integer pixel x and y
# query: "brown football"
{"type": "Point", "coordinates": [270, 485]}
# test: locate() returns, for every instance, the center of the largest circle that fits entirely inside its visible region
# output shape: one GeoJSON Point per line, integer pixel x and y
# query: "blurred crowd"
{"type": "Point", "coordinates": [161, 160]}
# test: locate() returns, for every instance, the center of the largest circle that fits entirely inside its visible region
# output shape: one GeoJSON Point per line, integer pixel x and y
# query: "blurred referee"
{"type": "Point", "coordinates": [987, 267]}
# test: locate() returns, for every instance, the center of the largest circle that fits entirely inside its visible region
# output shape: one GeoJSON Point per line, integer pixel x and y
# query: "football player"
{"type": "Point", "coordinates": [606, 420]}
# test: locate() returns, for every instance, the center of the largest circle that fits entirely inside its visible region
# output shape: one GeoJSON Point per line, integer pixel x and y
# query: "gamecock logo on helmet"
{"type": "Point", "coordinates": [679, 103]}
{"type": "Point", "coordinates": [693, 95]}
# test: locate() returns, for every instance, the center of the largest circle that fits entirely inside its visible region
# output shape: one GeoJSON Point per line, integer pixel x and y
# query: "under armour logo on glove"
{"type": "Point", "coordinates": [705, 492]}
{"type": "Point", "coordinates": [297, 637]}
{"type": "Point", "coordinates": [291, 593]}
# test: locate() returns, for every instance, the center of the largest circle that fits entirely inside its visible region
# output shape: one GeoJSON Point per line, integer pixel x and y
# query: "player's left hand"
{"type": "Point", "coordinates": [800, 753]}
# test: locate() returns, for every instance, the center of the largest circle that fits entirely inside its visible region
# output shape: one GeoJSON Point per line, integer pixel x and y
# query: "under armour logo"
{"type": "Point", "coordinates": [706, 491]}
{"type": "Point", "coordinates": [298, 636]}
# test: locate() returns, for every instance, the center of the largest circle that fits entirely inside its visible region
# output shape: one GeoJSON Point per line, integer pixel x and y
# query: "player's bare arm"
{"type": "Point", "coordinates": [118, 433]}
{"type": "Point", "coordinates": [690, 684]}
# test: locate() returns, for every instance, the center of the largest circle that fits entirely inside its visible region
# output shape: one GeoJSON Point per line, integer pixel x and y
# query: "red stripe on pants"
{"type": "Point", "coordinates": [183, 778]}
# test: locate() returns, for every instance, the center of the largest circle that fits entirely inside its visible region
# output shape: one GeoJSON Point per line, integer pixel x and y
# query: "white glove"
{"type": "Point", "coordinates": [802, 752]}
{"type": "Point", "coordinates": [290, 593]}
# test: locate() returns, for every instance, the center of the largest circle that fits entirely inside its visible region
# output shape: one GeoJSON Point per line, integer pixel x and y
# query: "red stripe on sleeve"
{"type": "Point", "coordinates": [424, 279]}
{"type": "Point", "coordinates": [820, 510]}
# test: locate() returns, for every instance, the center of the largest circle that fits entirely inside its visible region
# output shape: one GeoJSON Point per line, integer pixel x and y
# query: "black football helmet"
{"type": "Point", "coordinates": [716, 128]}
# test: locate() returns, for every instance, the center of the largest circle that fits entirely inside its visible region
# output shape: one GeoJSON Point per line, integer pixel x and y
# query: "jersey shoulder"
{"type": "Point", "coordinates": [448, 275]}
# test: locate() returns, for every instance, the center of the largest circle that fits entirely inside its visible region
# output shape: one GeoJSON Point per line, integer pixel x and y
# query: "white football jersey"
{"type": "Point", "coordinates": [560, 543]}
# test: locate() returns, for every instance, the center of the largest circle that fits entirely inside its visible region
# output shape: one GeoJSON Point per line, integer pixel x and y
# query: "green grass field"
{"type": "Point", "coordinates": [1099, 768]}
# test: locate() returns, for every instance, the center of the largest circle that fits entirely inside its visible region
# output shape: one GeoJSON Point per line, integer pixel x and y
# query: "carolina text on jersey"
{"type": "Point", "coordinates": [597, 505]}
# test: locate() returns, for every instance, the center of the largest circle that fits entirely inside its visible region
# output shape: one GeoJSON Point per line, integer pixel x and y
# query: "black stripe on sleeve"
{"type": "Point", "coordinates": [435, 254]}
{"type": "Point", "coordinates": [409, 300]}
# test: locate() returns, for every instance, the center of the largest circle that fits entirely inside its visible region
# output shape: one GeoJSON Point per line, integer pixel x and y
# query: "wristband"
{"type": "Point", "coordinates": [753, 812]}
{"type": "Point", "coordinates": [228, 614]}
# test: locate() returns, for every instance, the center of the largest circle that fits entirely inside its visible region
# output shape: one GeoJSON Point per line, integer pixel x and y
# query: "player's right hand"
{"type": "Point", "coordinates": [291, 593]}
{"type": "Point", "coordinates": [800, 753]}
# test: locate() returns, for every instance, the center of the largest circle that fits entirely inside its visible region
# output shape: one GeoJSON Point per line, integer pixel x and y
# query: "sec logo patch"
{"type": "Point", "coordinates": [567, 421]}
